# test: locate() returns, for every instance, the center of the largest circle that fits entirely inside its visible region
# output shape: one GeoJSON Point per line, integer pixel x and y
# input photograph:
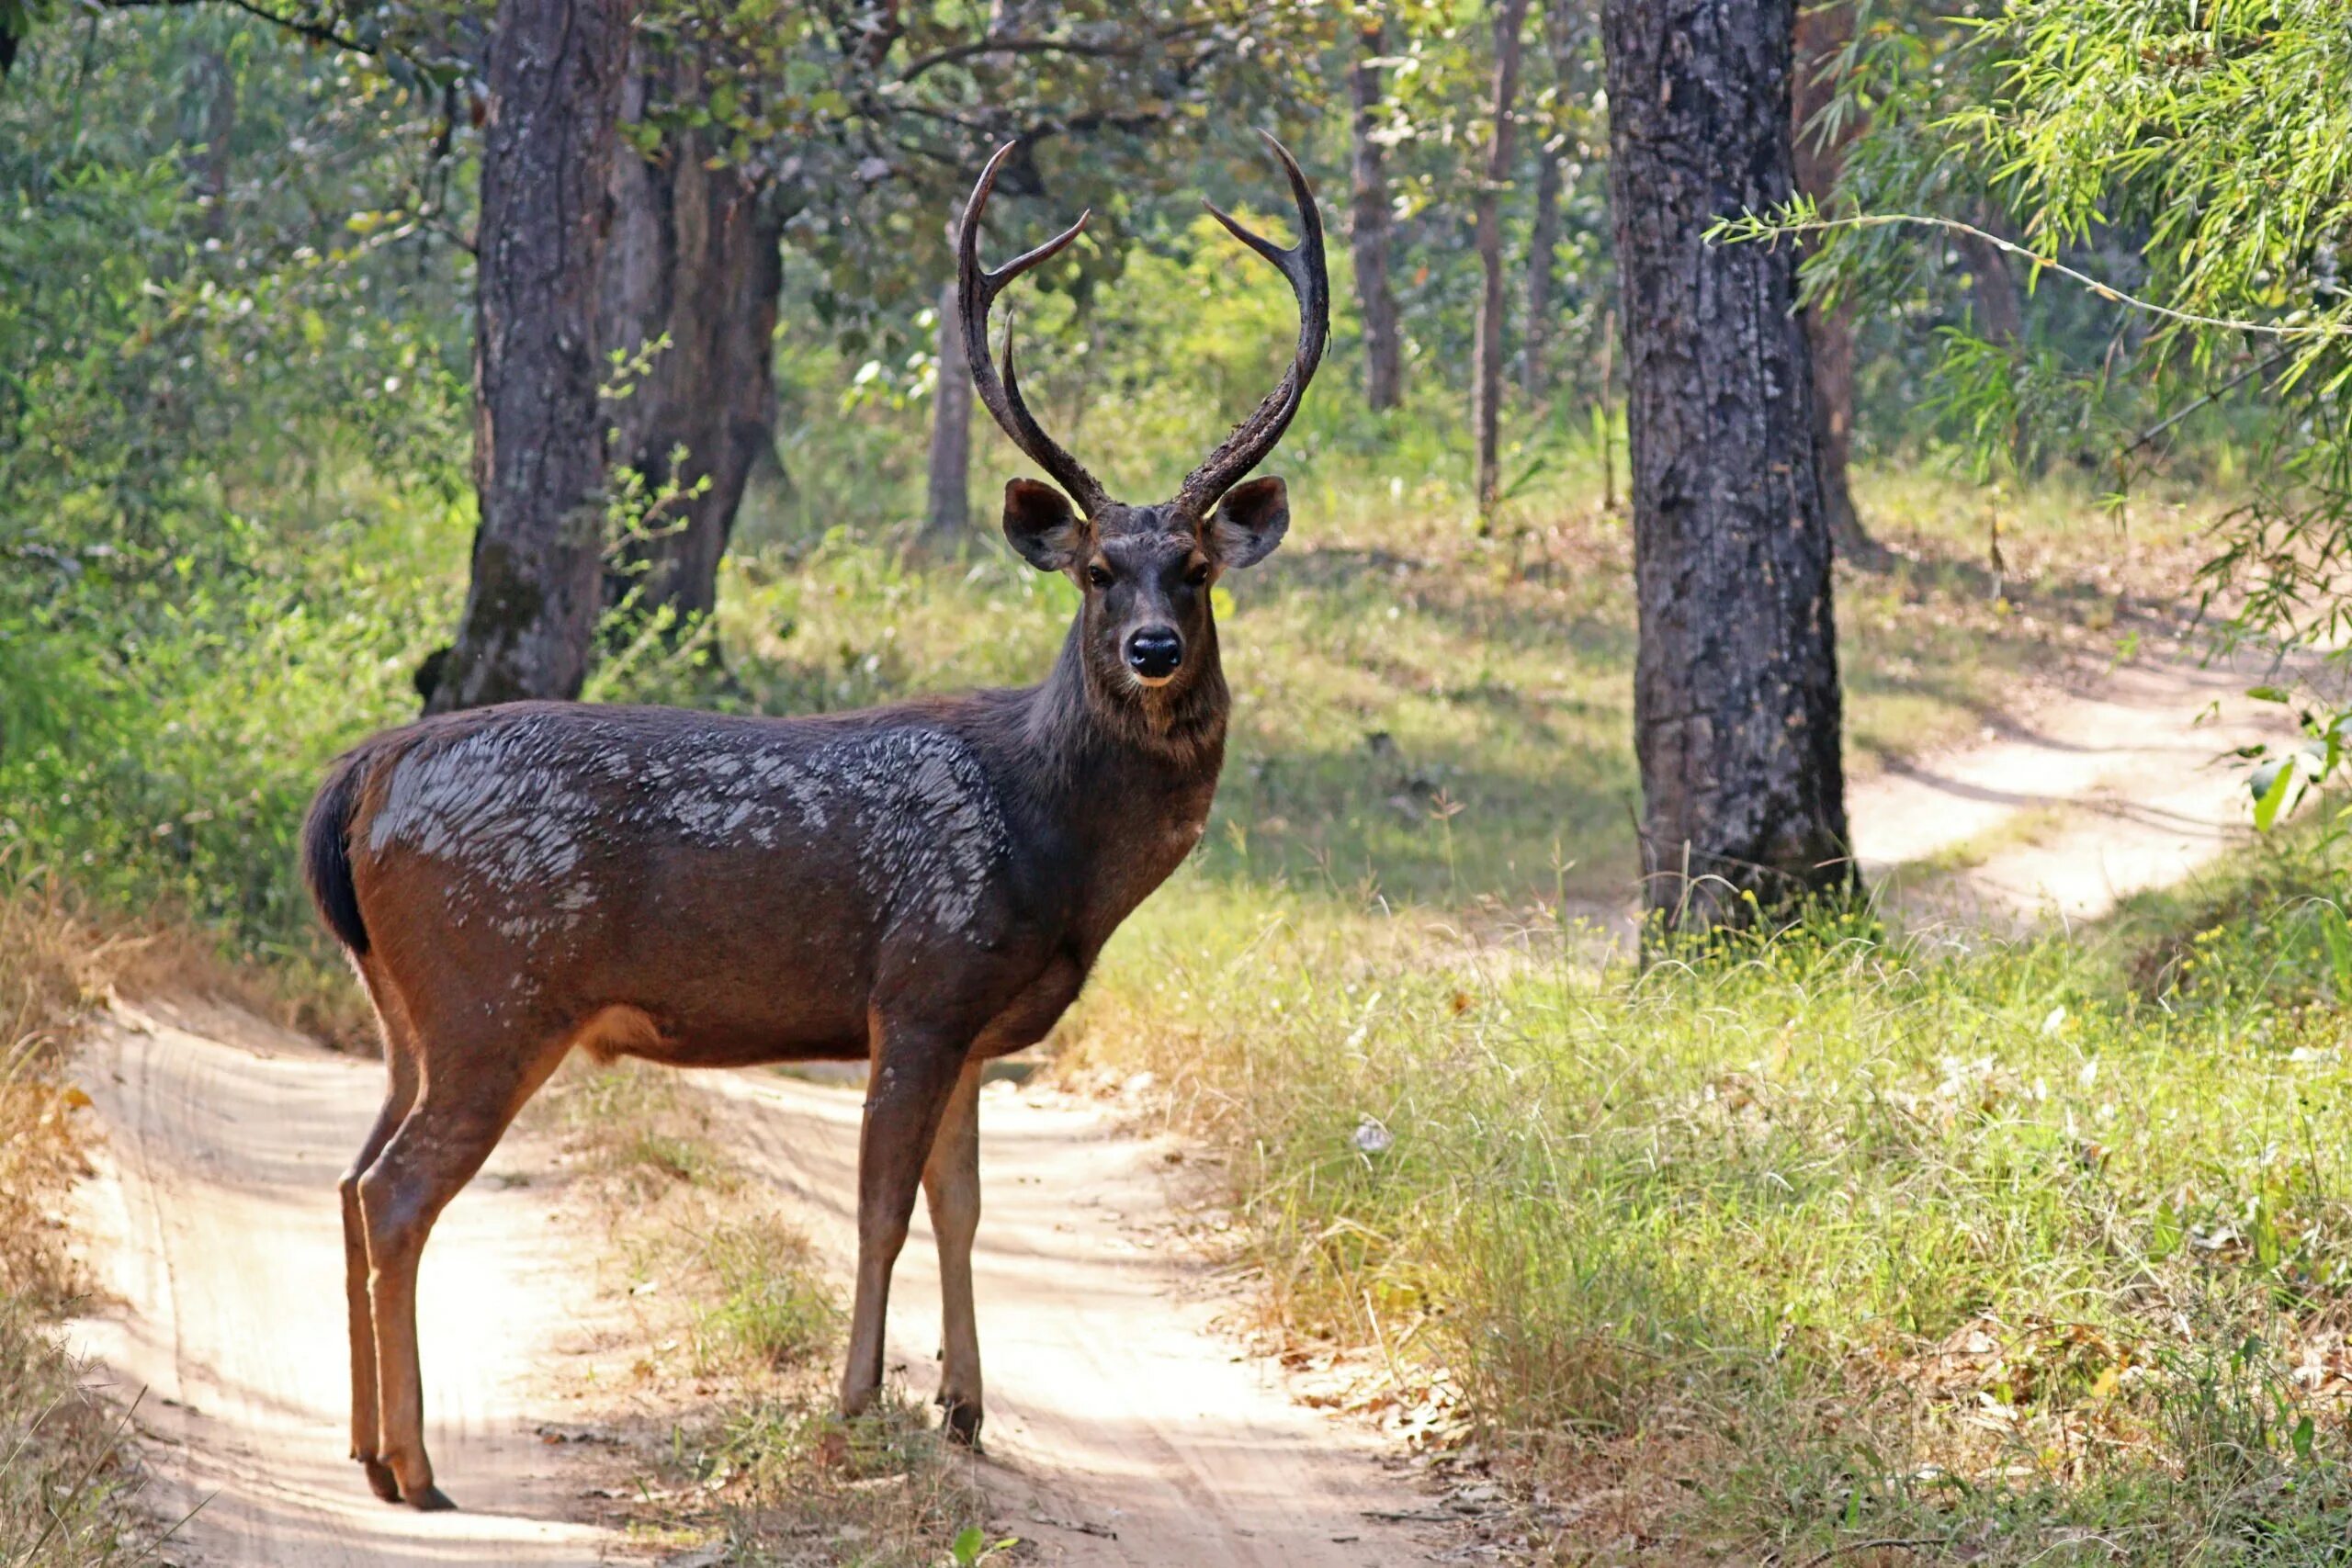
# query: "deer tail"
{"type": "Point", "coordinates": [326, 850]}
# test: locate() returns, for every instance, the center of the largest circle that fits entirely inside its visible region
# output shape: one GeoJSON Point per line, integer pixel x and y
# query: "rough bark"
{"type": "Point", "coordinates": [694, 256]}
{"type": "Point", "coordinates": [948, 516]}
{"type": "Point", "coordinates": [1736, 695]}
{"type": "Point", "coordinates": [554, 76]}
{"type": "Point", "coordinates": [1383, 375]}
{"type": "Point", "coordinates": [1487, 359]}
{"type": "Point", "coordinates": [1824, 29]}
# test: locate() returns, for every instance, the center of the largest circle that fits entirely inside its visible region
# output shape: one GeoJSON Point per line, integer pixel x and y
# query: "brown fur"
{"type": "Point", "coordinates": [922, 888]}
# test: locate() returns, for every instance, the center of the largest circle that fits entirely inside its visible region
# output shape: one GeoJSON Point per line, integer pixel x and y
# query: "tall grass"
{"type": "Point", "coordinates": [1989, 1243]}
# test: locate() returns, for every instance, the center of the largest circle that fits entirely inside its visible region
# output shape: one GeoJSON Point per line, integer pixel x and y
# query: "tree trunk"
{"type": "Point", "coordinates": [694, 256]}
{"type": "Point", "coordinates": [1736, 697]}
{"type": "Point", "coordinates": [948, 515]}
{"type": "Point", "coordinates": [219, 129]}
{"type": "Point", "coordinates": [1543, 240]}
{"type": "Point", "coordinates": [2001, 315]}
{"type": "Point", "coordinates": [554, 72]}
{"type": "Point", "coordinates": [1383, 385]}
{"type": "Point", "coordinates": [1486, 363]}
{"type": "Point", "coordinates": [1823, 32]}
{"type": "Point", "coordinates": [1560, 30]}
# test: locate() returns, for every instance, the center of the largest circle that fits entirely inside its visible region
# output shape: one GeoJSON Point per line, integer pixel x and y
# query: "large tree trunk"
{"type": "Point", "coordinates": [1823, 32]}
{"type": "Point", "coordinates": [555, 71]}
{"type": "Point", "coordinates": [1384, 384]}
{"type": "Point", "coordinates": [1736, 698]}
{"type": "Point", "coordinates": [948, 514]}
{"type": "Point", "coordinates": [1487, 360]}
{"type": "Point", "coordinates": [695, 256]}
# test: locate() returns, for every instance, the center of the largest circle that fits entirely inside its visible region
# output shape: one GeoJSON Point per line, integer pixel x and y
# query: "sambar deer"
{"type": "Point", "coordinates": [923, 887]}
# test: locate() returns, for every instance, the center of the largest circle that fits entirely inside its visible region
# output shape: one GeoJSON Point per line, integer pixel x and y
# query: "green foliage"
{"type": "Point", "coordinates": [2190, 157]}
{"type": "Point", "coordinates": [973, 1546]}
{"type": "Point", "coordinates": [230, 502]}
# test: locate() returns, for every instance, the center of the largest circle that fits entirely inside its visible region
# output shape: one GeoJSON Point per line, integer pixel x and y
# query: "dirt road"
{"type": "Point", "coordinates": [212, 1225]}
{"type": "Point", "coordinates": [1122, 1429]}
{"type": "Point", "coordinates": [2120, 785]}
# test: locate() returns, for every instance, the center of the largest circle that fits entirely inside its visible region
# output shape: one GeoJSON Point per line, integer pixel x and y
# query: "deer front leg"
{"type": "Point", "coordinates": [952, 1180]}
{"type": "Point", "coordinates": [915, 1074]}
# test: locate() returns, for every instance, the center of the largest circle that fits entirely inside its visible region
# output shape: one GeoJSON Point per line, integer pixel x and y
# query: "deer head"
{"type": "Point", "coordinates": [1146, 571]}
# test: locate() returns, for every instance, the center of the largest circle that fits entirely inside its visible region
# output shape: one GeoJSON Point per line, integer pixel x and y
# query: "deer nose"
{"type": "Point", "coordinates": [1154, 652]}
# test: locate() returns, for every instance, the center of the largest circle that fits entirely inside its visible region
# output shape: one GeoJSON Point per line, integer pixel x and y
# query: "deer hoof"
{"type": "Point", "coordinates": [380, 1479]}
{"type": "Point", "coordinates": [962, 1421]}
{"type": "Point", "coordinates": [430, 1499]}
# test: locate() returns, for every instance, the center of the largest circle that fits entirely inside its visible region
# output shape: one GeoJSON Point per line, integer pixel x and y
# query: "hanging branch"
{"type": "Point", "coordinates": [1803, 218]}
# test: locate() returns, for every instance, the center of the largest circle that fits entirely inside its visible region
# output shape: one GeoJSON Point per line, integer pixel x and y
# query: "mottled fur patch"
{"type": "Point", "coordinates": [517, 806]}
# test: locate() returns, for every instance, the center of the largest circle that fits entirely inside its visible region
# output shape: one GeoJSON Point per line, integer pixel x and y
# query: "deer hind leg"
{"type": "Point", "coordinates": [472, 1087]}
{"type": "Point", "coordinates": [400, 1068]}
{"type": "Point", "coordinates": [914, 1076]}
{"type": "Point", "coordinates": [950, 1178]}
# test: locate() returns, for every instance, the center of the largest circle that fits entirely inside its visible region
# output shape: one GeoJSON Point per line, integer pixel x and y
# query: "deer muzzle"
{"type": "Point", "coordinates": [1154, 653]}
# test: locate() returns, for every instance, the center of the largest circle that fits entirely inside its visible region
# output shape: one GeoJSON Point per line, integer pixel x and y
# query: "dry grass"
{"type": "Point", "coordinates": [68, 1483]}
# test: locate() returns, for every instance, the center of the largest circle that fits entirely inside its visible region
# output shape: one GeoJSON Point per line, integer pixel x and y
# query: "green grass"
{"type": "Point", "coordinates": [2038, 1250]}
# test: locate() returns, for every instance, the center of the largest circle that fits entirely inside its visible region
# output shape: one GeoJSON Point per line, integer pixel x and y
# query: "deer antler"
{"type": "Point", "coordinates": [976, 290]}
{"type": "Point", "coordinates": [1303, 264]}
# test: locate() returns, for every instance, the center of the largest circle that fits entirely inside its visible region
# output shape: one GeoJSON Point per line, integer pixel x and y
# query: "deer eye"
{"type": "Point", "coordinates": [1198, 574]}
{"type": "Point", "coordinates": [1099, 575]}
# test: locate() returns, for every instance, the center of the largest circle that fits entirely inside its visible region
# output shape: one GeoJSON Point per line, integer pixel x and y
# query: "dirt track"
{"type": "Point", "coordinates": [213, 1222]}
{"type": "Point", "coordinates": [1123, 1428]}
{"type": "Point", "coordinates": [1115, 1407]}
{"type": "Point", "coordinates": [2121, 786]}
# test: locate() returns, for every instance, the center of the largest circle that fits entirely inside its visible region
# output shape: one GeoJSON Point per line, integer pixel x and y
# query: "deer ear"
{"type": "Point", "coordinates": [1041, 524]}
{"type": "Point", "coordinates": [1250, 521]}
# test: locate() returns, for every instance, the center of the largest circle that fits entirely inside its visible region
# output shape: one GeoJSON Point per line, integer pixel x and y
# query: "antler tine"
{"type": "Point", "coordinates": [1302, 264]}
{"type": "Point", "coordinates": [976, 290]}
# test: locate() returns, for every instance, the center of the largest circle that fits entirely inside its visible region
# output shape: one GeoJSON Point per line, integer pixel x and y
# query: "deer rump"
{"type": "Point", "coordinates": [699, 890]}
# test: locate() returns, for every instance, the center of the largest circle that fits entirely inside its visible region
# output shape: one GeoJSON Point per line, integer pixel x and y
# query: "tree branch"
{"type": "Point", "coordinates": [317, 32]}
{"type": "Point", "coordinates": [1801, 219]}
{"type": "Point", "coordinates": [948, 56]}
